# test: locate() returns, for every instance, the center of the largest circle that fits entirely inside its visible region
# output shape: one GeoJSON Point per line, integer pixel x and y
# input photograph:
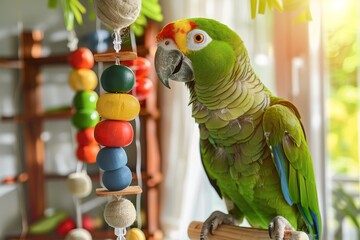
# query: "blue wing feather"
{"type": "Point", "coordinates": [279, 157]}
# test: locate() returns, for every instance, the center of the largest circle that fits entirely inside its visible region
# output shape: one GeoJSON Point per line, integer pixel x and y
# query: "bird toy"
{"type": "Point", "coordinates": [83, 81]}
{"type": "Point", "coordinates": [117, 107]}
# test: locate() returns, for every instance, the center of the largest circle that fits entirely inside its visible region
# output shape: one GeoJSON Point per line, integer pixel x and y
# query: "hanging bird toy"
{"type": "Point", "coordinates": [117, 107]}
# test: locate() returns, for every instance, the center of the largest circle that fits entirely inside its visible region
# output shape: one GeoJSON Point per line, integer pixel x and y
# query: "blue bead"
{"type": "Point", "coordinates": [111, 158]}
{"type": "Point", "coordinates": [118, 179]}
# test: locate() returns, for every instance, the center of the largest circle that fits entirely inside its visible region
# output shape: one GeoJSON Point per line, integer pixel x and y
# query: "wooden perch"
{"type": "Point", "coordinates": [228, 232]}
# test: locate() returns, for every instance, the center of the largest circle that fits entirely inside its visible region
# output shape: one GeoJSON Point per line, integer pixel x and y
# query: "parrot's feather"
{"type": "Point", "coordinates": [281, 166]}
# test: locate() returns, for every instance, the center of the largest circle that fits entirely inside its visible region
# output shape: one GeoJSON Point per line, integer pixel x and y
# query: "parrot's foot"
{"type": "Point", "coordinates": [280, 228]}
{"type": "Point", "coordinates": [216, 218]}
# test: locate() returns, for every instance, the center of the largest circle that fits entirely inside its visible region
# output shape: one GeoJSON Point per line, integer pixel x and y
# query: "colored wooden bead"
{"type": "Point", "coordinates": [113, 133]}
{"type": "Point", "coordinates": [85, 100]}
{"type": "Point", "coordinates": [118, 106]}
{"type": "Point", "coordinates": [85, 136]}
{"type": "Point", "coordinates": [87, 153]}
{"type": "Point", "coordinates": [111, 158]}
{"type": "Point", "coordinates": [117, 79]}
{"type": "Point", "coordinates": [85, 118]}
{"type": "Point", "coordinates": [82, 79]}
{"type": "Point", "coordinates": [143, 87]}
{"type": "Point", "coordinates": [81, 58]}
{"type": "Point", "coordinates": [120, 213]}
{"type": "Point", "coordinates": [79, 184]}
{"type": "Point", "coordinates": [135, 234]}
{"type": "Point", "coordinates": [118, 179]}
{"type": "Point", "coordinates": [140, 66]}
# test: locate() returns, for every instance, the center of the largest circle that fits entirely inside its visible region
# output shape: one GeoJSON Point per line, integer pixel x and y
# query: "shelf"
{"type": "Point", "coordinates": [67, 113]}
{"type": "Point", "coordinates": [97, 235]}
{"type": "Point", "coordinates": [20, 178]}
{"type": "Point", "coordinates": [151, 180]}
{"type": "Point", "coordinates": [10, 63]}
{"type": "Point", "coordinates": [53, 115]}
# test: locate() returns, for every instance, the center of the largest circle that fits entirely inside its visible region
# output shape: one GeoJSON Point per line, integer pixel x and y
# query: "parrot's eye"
{"type": "Point", "coordinates": [197, 39]}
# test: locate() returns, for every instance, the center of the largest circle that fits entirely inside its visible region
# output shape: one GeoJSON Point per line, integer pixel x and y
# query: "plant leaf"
{"type": "Point", "coordinates": [52, 3]}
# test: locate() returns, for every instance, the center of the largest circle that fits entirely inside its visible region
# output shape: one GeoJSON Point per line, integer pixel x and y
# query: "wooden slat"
{"type": "Point", "coordinates": [96, 235]}
{"type": "Point", "coordinates": [34, 148]}
{"type": "Point", "coordinates": [10, 63]}
{"type": "Point", "coordinates": [112, 56]}
{"type": "Point", "coordinates": [131, 190]}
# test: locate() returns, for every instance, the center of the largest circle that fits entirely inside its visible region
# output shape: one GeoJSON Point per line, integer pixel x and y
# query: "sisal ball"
{"type": "Point", "coordinates": [79, 184]}
{"type": "Point", "coordinates": [78, 234]}
{"type": "Point", "coordinates": [120, 213]}
{"type": "Point", "coordinates": [117, 14]}
{"type": "Point", "coordinates": [135, 234]}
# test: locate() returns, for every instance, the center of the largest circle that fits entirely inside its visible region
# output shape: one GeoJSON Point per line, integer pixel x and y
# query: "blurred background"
{"type": "Point", "coordinates": [314, 64]}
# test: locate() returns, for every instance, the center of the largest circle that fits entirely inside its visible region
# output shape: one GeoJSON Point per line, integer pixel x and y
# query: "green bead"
{"type": "Point", "coordinates": [117, 79]}
{"type": "Point", "coordinates": [85, 118]}
{"type": "Point", "coordinates": [85, 100]}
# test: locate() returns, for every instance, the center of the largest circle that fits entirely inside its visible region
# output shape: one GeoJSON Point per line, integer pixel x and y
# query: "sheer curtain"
{"type": "Point", "coordinates": [186, 192]}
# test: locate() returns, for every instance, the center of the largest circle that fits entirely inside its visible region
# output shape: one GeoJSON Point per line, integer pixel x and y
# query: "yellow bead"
{"type": "Point", "coordinates": [135, 234]}
{"type": "Point", "coordinates": [118, 106]}
{"type": "Point", "coordinates": [82, 79]}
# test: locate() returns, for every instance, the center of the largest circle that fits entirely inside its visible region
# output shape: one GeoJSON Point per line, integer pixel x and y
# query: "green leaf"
{"type": "Point", "coordinates": [52, 3]}
{"type": "Point", "coordinates": [77, 14]}
{"type": "Point", "coordinates": [78, 6]}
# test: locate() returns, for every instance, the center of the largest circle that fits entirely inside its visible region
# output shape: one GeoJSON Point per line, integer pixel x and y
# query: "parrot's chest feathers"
{"type": "Point", "coordinates": [229, 114]}
{"type": "Point", "coordinates": [234, 133]}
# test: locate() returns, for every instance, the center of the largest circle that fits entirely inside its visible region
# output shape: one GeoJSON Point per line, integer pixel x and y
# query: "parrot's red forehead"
{"type": "Point", "coordinates": [171, 29]}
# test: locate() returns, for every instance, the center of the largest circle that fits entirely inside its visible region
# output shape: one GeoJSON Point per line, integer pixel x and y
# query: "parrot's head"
{"type": "Point", "coordinates": [197, 49]}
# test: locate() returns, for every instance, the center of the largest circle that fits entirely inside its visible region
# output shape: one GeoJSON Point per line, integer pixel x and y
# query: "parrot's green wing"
{"type": "Point", "coordinates": [208, 154]}
{"type": "Point", "coordinates": [211, 180]}
{"type": "Point", "coordinates": [286, 139]}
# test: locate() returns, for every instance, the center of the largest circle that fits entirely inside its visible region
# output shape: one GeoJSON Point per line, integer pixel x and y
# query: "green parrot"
{"type": "Point", "coordinates": [253, 146]}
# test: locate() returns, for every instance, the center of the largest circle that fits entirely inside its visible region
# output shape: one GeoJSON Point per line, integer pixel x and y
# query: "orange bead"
{"type": "Point", "coordinates": [111, 133]}
{"type": "Point", "coordinates": [82, 79]}
{"type": "Point", "coordinates": [86, 136]}
{"type": "Point", "coordinates": [87, 153]}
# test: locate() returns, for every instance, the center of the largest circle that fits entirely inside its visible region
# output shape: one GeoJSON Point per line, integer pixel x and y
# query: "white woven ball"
{"type": "Point", "coordinates": [120, 213]}
{"type": "Point", "coordinates": [79, 184]}
{"type": "Point", "coordinates": [78, 234]}
{"type": "Point", "coordinates": [117, 14]}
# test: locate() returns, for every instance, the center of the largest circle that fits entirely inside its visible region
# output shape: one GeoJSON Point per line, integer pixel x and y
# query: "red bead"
{"type": "Point", "coordinates": [85, 137]}
{"type": "Point", "coordinates": [143, 87]}
{"type": "Point", "coordinates": [81, 58]}
{"type": "Point", "coordinates": [113, 133]}
{"type": "Point", "coordinates": [141, 66]}
{"type": "Point", "coordinates": [87, 153]}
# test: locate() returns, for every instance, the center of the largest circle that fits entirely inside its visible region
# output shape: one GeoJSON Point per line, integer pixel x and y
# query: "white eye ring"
{"type": "Point", "coordinates": [197, 39]}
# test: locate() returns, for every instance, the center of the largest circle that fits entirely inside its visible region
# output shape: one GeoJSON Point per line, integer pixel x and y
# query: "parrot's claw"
{"type": "Point", "coordinates": [216, 218]}
{"type": "Point", "coordinates": [280, 228]}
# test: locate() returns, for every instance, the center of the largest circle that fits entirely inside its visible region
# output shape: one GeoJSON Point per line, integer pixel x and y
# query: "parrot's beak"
{"type": "Point", "coordinates": [171, 63]}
